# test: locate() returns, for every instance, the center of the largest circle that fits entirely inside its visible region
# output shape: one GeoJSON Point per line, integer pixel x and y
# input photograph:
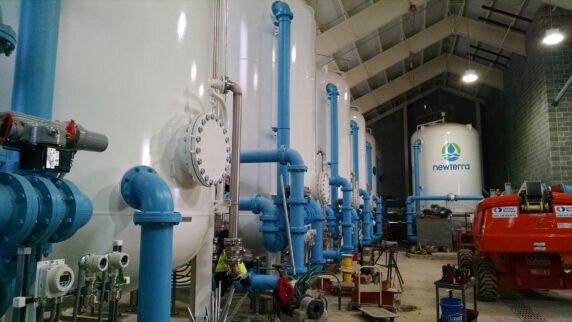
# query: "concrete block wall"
{"type": "Point", "coordinates": [525, 138]}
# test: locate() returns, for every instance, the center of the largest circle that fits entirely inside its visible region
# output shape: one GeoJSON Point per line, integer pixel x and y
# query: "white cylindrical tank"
{"type": "Point", "coordinates": [356, 116]}
{"type": "Point", "coordinates": [371, 140]}
{"type": "Point", "coordinates": [252, 62]}
{"type": "Point", "coordinates": [323, 139]}
{"type": "Point", "coordinates": [449, 162]}
{"type": "Point", "coordinates": [137, 73]}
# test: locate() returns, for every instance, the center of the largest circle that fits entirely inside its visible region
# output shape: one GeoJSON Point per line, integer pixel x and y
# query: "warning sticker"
{"type": "Point", "coordinates": [564, 225]}
{"type": "Point", "coordinates": [563, 211]}
{"type": "Point", "coordinates": [505, 212]}
{"type": "Point", "coordinates": [539, 246]}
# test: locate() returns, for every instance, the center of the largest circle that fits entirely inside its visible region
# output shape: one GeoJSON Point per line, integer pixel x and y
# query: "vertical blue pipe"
{"type": "Point", "coordinates": [355, 150]}
{"type": "Point", "coordinates": [378, 218]}
{"type": "Point", "coordinates": [355, 224]}
{"type": "Point", "coordinates": [332, 221]}
{"type": "Point", "coordinates": [333, 95]}
{"type": "Point", "coordinates": [143, 189]}
{"type": "Point", "coordinates": [297, 214]}
{"type": "Point", "coordinates": [34, 75]}
{"type": "Point", "coordinates": [347, 212]}
{"type": "Point", "coordinates": [368, 149]}
{"type": "Point", "coordinates": [416, 148]}
{"type": "Point", "coordinates": [367, 218]}
{"type": "Point", "coordinates": [314, 211]}
{"type": "Point", "coordinates": [284, 16]}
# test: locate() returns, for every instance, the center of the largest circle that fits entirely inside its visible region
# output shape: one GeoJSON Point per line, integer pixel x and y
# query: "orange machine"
{"type": "Point", "coordinates": [523, 240]}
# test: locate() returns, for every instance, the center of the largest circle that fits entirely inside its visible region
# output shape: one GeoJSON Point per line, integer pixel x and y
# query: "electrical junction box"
{"type": "Point", "coordinates": [53, 279]}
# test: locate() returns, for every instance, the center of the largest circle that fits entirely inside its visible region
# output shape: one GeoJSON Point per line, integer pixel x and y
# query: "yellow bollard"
{"type": "Point", "coordinates": [347, 269]}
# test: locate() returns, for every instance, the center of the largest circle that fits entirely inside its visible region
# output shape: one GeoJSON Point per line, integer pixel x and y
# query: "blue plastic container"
{"type": "Point", "coordinates": [452, 309]}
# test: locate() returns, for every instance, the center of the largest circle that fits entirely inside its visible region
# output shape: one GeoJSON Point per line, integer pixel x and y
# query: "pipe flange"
{"type": "Point", "coordinates": [7, 39]}
{"type": "Point", "coordinates": [207, 148]}
{"type": "Point", "coordinates": [78, 210]}
{"type": "Point", "coordinates": [21, 203]}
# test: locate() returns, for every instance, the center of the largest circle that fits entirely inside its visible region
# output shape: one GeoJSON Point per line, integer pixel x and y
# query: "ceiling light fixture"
{"type": "Point", "coordinates": [552, 37]}
{"type": "Point", "coordinates": [470, 76]}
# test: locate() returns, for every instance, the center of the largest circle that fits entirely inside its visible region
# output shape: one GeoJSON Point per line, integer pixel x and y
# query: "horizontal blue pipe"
{"type": "Point", "coordinates": [259, 282]}
{"type": "Point", "coordinates": [567, 189]}
{"type": "Point", "coordinates": [281, 155]}
{"type": "Point", "coordinates": [410, 214]}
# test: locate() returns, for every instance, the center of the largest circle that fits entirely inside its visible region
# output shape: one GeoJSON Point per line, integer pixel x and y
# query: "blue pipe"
{"type": "Point", "coordinates": [378, 218]}
{"type": "Point", "coordinates": [355, 150]}
{"type": "Point", "coordinates": [273, 235]}
{"type": "Point", "coordinates": [355, 227]}
{"type": "Point", "coordinates": [410, 214]}
{"type": "Point", "coordinates": [417, 189]}
{"type": "Point", "coordinates": [34, 73]}
{"type": "Point", "coordinates": [369, 167]}
{"type": "Point", "coordinates": [296, 201]}
{"type": "Point", "coordinates": [262, 282]}
{"type": "Point", "coordinates": [314, 212]}
{"type": "Point", "coordinates": [367, 218]}
{"type": "Point", "coordinates": [333, 95]}
{"type": "Point", "coordinates": [332, 222]}
{"type": "Point", "coordinates": [567, 189]}
{"type": "Point", "coordinates": [143, 189]}
{"type": "Point", "coordinates": [284, 16]}
{"type": "Point", "coordinates": [347, 212]}
{"type": "Point", "coordinates": [35, 69]}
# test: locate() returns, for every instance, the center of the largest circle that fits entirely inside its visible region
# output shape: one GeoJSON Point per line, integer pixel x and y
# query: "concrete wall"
{"type": "Point", "coordinates": [525, 137]}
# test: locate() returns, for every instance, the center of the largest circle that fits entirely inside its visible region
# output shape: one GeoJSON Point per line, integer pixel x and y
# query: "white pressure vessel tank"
{"type": "Point", "coordinates": [138, 73]}
{"type": "Point", "coordinates": [252, 53]}
{"type": "Point", "coordinates": [356, 116]}
{"type": "Point", "coordinates": [369, 138]}
{"type": "Point", "coordinates": [449, 162]}
{"type": "Point", "coordinates": [323, 137]}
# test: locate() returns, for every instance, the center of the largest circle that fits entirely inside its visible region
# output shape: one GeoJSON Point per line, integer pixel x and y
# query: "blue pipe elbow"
{"type": "Point", "coordinates": [332, 89]}
{"type": "Point", "coordinates": [281, 10]}
{"type": "Point", "coordinates": [143, 189]}
{"type": "Point", "coordinates": [273, 236]}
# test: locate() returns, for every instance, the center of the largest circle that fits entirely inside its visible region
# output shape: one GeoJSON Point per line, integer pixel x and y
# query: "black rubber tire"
{"type": "Point", "coordinates": [465, 259]}
{"type": "Point", "coordinates": [487, 287]}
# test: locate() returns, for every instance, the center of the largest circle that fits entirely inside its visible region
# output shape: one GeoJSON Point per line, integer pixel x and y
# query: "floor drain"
{"type": "Point", "coordinates": [524, 312]}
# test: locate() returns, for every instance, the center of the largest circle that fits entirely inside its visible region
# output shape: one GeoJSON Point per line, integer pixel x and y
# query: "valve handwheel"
{"type": "Point", "coordinates": [285, 291]}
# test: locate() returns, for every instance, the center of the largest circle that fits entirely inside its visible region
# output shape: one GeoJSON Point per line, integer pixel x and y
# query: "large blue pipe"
{"type": "Point", "coordinates": [355, 150]}
{"type": "Point", "coordinates": [35, 70]}
{"type": "Point", "coordinates": [296, 201]}
{"type": "Point", "coordinates": [333, 95]}
{"type": "Point", "coordinates": [417, 188]}
{"type": "Point", "coordinates": [410, 214]}
{"type": "Point", "coordinates": [369, 167]}
{"type": "Point", "coordinates": [347, 212]}
{"type": "Point", "coordinates": [284, 16]}
{"type": "Point", "coordinates": [34, 73]}
{"type": "Point", "coordinates": [273, 236]}
{"type": "Point", "coordinates": [378, 218]}
{"type": "Point", "coordinates": [332, 222]}
{"type": "Point", "coordinates": [367, 218]}
{"type": "Point", "coordinates": [143, 189]}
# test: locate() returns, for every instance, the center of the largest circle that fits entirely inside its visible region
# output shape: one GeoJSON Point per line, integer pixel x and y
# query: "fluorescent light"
{"type": "Point", "coordinates": [470, 76]}
{"type": "Point", "coordinates": [553, 36]}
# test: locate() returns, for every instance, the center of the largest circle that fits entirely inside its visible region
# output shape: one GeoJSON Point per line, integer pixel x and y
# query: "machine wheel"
{"type": "Point", "coordinates": [465, 259]}
{"type": "Point", "coordinates": [487, 288]}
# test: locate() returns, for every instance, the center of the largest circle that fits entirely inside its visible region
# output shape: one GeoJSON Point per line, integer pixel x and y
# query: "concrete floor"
{"type": "Point", "coordinates": [419, 275]}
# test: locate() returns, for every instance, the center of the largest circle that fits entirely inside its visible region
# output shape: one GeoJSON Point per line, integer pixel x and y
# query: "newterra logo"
{"type": "Point", "coordinates": [451, 152]}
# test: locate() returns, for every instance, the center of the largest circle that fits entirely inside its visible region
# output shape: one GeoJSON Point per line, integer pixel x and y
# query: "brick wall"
{"type": "Point", "coordinates": [525, 138]}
